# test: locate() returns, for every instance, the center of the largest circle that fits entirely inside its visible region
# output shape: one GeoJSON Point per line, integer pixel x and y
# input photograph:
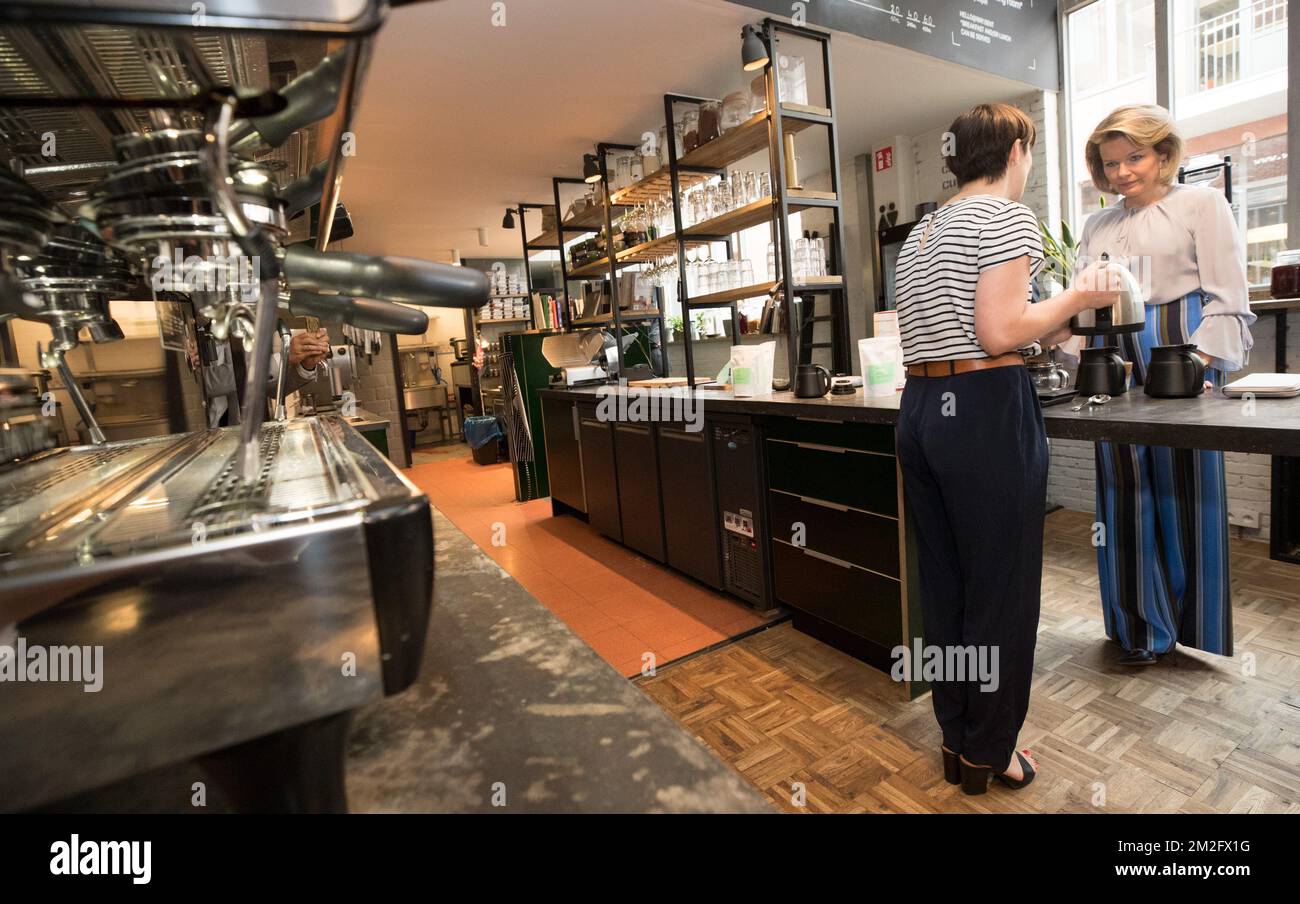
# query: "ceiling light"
{"type": "Point", "coordinates": [590, 168]}
{"type": "Point", "coordinates": [752, 51]}
{"type": "Point", "coordinates": [509, 221]}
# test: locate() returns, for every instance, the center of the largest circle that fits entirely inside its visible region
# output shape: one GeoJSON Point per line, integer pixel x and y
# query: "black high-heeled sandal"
{"type": "Point", "coordinates": [951, 766]}
{"type": "Point", "coordinates": [974, 779]}
{"type": "Point", "coordinates": [1027, 773]}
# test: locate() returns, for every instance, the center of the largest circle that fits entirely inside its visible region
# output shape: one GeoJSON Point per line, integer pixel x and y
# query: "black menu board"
{"type": "Point", "coordinates": [1013, 38]}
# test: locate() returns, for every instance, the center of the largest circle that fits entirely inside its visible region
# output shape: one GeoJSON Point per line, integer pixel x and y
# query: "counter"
{"type": "Point", "coordinates": [1205, 422]}
{"type": "Point", "coordinates": [508, 694]}
{"type": "Point", "coordinates": [798, 503]}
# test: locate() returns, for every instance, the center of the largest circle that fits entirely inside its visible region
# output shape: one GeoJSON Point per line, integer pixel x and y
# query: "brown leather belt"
{"type": "Point", "coordinates": [962, 366]}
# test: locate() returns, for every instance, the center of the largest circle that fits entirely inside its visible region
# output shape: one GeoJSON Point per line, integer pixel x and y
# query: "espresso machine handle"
{"type": "Point", "coordinates": [311, 97]}
{"type": "Point", "coordinates": [304, 191]}
{"type": "Point", "coordinates": [404, 279]}
{"type": "Point", "coordinates": [364, 313]}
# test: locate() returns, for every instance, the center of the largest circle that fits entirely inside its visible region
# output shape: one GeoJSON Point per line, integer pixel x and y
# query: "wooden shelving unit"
{"type": "Point", "coordinates": [763, 131]}
{"type": "Point", "coordinates": [767, 131]}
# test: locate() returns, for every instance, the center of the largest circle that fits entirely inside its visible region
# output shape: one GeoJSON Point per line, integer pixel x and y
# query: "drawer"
{"type": "Point", "coordinates": [867, 437]}
{"type": "Point", "coordinates": [852, 598]}
{"type": "Point", "coordinates": [861, 480]}
{"type": "Point", "coordinates": [866, 540]}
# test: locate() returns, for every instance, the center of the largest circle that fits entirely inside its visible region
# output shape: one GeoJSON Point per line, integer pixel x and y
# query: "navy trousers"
{"type": "Point", "coordinates": [973, 454]}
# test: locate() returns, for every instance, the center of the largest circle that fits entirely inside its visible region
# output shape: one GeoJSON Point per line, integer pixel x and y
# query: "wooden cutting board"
{"type": "Point", "coordinates": [666, 382]}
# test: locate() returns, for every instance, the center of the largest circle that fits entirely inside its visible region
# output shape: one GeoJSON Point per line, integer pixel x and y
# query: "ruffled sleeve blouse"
{"type": "Point", "coordinates": [1186, 241]}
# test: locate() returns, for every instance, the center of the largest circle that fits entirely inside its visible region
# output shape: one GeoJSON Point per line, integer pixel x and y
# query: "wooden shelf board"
{"type": "Point", "coordinates": [653, 185]}
{"type": "Point", "coordinates": [737, 144]}
{"type": "Point", "coordinates": [591, 219]}
{"type": "Point", "coordinates": [484, 321]}
{"type": "Point", "coordinates": [547, 241]}
{"type": "Point", "coordinates": [730, 295]}
{"type": "Point", "coordinates": [742, 217]}
{"type": "Point", "coordinates": [609, 318]}
{"type": "Point", "coordinates": [663, 246]}
{"type": "Point", "coordinates": [789, 107]}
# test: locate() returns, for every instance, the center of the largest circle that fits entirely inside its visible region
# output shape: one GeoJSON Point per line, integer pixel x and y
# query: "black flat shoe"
{"type": "Point", "coordinates": [951, 766]}
{"type": "Point", "coordinates": [1027, 774]}
{"type": "Point", "coordinates": [1138, 657]}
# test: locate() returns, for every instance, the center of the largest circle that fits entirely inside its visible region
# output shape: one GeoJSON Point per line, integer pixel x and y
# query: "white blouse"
{"type": "Point", "coordinates": [1187, 240]}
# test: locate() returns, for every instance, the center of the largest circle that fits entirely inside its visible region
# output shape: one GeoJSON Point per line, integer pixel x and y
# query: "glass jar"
{"type": "Point", "coordinates": [1284, 281]}
{"type": "Point", "coordinates": [710, 120]}
{"type": "Point", "coordinates": [690, 130]}
{"type": "Point", "coordinates": [735, 110]}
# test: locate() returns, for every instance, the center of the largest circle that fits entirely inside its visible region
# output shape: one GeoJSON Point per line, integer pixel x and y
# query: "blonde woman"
{"type": "Point", "coordinates": [1164, 563]}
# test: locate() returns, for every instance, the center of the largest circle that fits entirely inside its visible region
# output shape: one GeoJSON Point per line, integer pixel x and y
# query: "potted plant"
{"type": "Point", "coordinates": [674, 327]}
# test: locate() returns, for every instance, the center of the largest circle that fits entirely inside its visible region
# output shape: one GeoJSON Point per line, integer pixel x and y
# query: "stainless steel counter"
{"type": "Point", "coordinates": [220, 613]}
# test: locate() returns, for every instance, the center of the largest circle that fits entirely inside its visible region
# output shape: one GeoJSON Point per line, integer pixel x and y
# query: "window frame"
{"type": "Point", "coordinates": [1164, 95]}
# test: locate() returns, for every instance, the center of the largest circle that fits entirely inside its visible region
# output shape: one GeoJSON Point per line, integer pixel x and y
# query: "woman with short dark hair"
{"type": "Point", "coordinates": [971, 443]}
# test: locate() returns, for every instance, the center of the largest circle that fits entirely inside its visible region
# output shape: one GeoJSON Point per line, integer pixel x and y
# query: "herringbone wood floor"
{"type": "Point", "coordinates": [1195, 733]}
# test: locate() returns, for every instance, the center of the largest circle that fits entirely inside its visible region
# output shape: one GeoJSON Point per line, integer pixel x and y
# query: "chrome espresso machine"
{"type": "Point", "coordinates": [243, 588]}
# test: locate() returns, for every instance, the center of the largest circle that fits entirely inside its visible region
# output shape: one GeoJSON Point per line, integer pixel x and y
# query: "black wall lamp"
{"type": "Point", "coordinates": [509, 221]}
{"type": "Point", "coordinates": [590, 168]}
{"type": "Point", "coordinates": [752, 52]}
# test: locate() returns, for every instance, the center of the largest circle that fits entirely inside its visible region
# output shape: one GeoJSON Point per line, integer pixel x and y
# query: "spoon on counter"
{"type": "Point", "coordinates": [1101, 399]}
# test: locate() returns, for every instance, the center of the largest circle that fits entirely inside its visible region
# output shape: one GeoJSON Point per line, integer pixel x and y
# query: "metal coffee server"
{"type": "Point", "coordinates": [1127, 315]}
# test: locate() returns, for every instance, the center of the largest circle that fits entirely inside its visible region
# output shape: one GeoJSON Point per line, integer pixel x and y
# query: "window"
{"type": "Point", "coordinates": [1229, 81]}
{"type": "Point", "coordinates": [1112, 49]}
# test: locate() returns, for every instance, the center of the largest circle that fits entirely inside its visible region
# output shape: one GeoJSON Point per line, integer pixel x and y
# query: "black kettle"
{"type": "Point", "coordinates": [1175, 373]}
{"type": "Point", "coordinates": [1101, 372]}
{"type": "Point", "coordinates": [812, 381]}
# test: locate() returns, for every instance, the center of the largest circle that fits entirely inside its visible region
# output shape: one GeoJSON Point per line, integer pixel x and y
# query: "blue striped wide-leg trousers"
{"type": "Point", "coordinates": [1163, 560]}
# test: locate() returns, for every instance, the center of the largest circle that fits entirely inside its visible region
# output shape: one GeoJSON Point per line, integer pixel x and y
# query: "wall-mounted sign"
{"type": "Point", "coordinates": [884, 158]}
{"type": "Point", "coordinates": [1012, 38]}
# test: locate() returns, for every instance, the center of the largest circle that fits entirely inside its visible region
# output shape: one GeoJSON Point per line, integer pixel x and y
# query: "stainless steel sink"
{"type": "Point", "coordinates": [418, 397]}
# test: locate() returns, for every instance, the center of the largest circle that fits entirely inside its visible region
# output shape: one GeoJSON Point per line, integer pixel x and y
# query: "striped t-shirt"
{"type": "Point", "coordinates": [936, 284]}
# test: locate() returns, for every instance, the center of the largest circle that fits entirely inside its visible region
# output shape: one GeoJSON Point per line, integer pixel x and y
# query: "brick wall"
{"type": "Point", "coordinates": [377, 392]}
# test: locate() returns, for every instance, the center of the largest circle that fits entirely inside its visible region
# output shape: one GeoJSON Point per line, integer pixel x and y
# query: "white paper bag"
{"type": "Point", "coordinates": [751, 369]}
{"type": "Point", "coordinates": [882, 360]}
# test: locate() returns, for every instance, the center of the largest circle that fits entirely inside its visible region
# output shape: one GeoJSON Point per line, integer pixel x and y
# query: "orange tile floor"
{"type": "Point", "coordinates": [621, 604]}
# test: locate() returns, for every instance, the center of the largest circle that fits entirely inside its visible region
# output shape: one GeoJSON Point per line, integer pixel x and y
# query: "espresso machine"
{"type": "Point", "coordinates": [225, 574]}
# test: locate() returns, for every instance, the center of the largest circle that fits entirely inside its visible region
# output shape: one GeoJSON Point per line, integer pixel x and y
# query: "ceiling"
{"type": "Point", "coordinates": [459, 117]}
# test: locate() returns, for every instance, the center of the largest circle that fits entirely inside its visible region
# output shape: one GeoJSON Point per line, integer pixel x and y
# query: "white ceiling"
{"type": "Point", "coordinates": [460, 118]}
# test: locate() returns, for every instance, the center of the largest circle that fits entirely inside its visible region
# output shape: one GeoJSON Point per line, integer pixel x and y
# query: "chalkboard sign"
{"type": "Point", "coordinates": [1012, 38]}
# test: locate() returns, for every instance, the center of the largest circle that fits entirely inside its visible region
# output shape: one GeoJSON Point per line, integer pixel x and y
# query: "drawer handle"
{"type": "Point", "coordinates": [626, 428]}
{"type": "Point", "coordinates": [824, 504]}
{"type": "Point", "coordinates": [825, 558]}
{"type": "Point", "coordinates": [682, 435]}
{"type": "Point", "coordinates": [590, 423]}
{"type": "Point", "coordinates": [821, 448]}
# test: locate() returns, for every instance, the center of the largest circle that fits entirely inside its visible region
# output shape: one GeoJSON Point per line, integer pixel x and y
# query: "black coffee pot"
{"type": "Point", "coordinates": [812, 381]}
{"type": "Point", "coordinates": [1101, 372]}
{"type": "Point", "coordinates": [1175, 373]}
